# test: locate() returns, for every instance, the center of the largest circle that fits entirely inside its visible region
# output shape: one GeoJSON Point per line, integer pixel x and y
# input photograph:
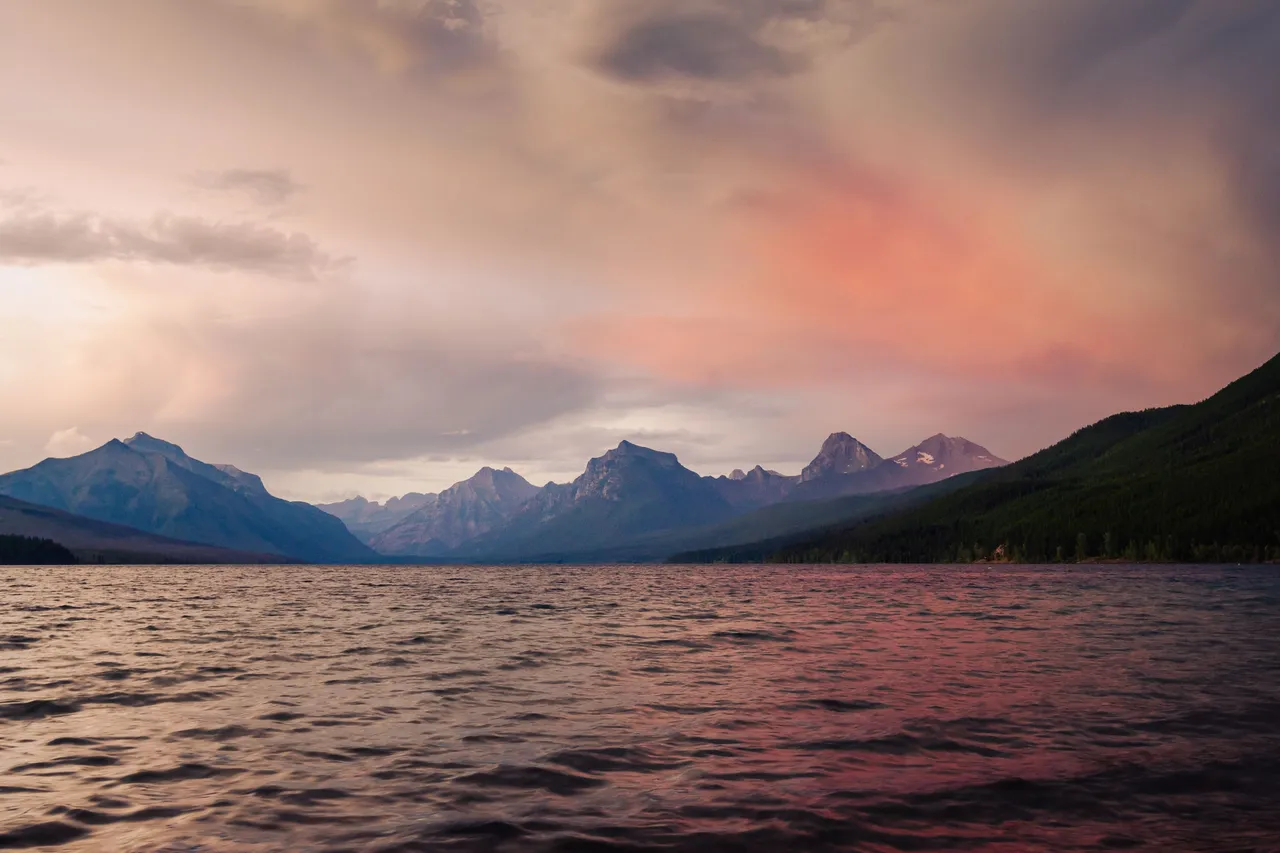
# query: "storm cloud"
{"type": "Point", "coordinates": [730, 226]}
{"type": "Point", "coordinates": [432, 37]}
{"type": "Point", "coordinates": [265, 186]}
{"type": "Point", "coordinates": [315, 392]}
{"type": "Point", "coordinates": [723, 41]}
{"type": "Point", "coordinates": [50, 238]}
{"type": "Point", "coordinates": [313, 389]}
{"type": "Point", "coordinates": [708, 47]}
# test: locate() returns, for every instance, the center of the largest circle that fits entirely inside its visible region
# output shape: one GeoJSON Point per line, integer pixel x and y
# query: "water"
{"type": "Point", "coordinates": [639, 708]}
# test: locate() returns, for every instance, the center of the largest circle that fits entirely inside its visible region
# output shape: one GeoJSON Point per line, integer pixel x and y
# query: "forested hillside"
{"type": "Point", "coordinates": [31, 551]}
{"type": "Point", "coordinates": [1187, 483]}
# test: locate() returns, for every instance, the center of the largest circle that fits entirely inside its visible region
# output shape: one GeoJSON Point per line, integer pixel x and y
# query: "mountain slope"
{"type": "Point", "coordinates": [758, 535]}
{"type": "Point", "coordinates": [930, 461]}
{"type": "Point", "coordinates": [634, 503]}
{"type": "Point", "coordinates": [457, 515]}
{"type": "Point", "coordinates": [941, 456]}
{"type": "Point", "coordinates": [841, 453]}
{"type": "Point", "coordinates": [366, 518]}
{"type": "Point", "coordinates": [30, 551]}
{"type": "Point", "coordinates": [153, 486]}
{"type": "Point", "coordinates": [98, 541]}
{"type": "Point", "coordinates": [756, 488]}
{"type": "Point", "coordinates": [1183, 483]}
{"type": "Point", "coordinates": [630, 491]}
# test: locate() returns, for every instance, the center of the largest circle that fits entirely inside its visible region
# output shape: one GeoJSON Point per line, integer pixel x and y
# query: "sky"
{"type": "Point", "coordinates": [368, 246]}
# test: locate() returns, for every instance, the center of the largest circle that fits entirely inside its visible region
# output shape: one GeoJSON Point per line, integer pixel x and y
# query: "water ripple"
{"type": "Point", "coordinates": [624, 708]}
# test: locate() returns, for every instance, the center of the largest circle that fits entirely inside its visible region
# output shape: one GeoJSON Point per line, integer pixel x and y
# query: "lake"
{"type": "Point", "coordinates": [637, 708]}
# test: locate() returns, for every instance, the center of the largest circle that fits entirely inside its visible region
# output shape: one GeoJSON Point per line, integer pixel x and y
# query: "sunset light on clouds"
{"type": "Point", "coordinates": [369, 247]}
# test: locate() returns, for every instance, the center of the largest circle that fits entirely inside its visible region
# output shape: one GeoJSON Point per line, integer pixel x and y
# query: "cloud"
{"type": "Point", "coordinates": [33, 238]}
{"type": "Point", "coordinates": [726, 41]}
{"type": "Point", "coordinates": [1144, 131]}
{"type": "Point", "coordinates": [265, 186]}
{"type": "Point", "coordinates": [68, 442]}
{"type": "Point", "coordinates": [23, 199]}
{"type": "Point", "coordinates": [328, 396]}
{"type": "Point", "coordinates": [432, 37]}
{"type": "Point", "coordinates": [315, 380]}
{"type": "Point", "coordinates": [997, 218]}
{"type": "Point", "coordinates": [705, 47]}
{"type": "Point", "coordinates": [1055, 177]}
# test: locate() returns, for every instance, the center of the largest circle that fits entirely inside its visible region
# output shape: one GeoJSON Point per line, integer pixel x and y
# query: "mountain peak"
{"type": "Point", "coordinates": [489, 479]}
{"type": "Point", "coordinates": [627, 466]}
{"type": "Point", "coordinates": [144, 443]}
{"type": "Point", "coordinates": [241, 480]}
{"type": "Point", "coordinates": [631, 447]}
{"type": "Point", "coordinates": [149, 484]}
{"type": "Point", "coordinates": [460, 513]}
{"type": "Point", "coordinates": [841, 453]}
{"type": "Point", "coordinates": [628, 449]}
{"type": "Point", "coordinates": [949, 455]}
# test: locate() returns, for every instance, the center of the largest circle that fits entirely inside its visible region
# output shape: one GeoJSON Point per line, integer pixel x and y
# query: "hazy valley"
{"type": "Point", "coordinates": [1183, 483]}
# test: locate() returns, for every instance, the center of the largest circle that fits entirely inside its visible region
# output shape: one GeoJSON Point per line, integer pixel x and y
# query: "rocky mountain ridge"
{"type": "Point", "coordinates": [153, 486]}
{"type": "Point", "coordinates": [459, 514]}
{"type": "Point", "coordinates": [366, 518]}
{"type": "Point", "coordinates": [841, 453]}
{"type": "Point", "coordinates": [633, 491]}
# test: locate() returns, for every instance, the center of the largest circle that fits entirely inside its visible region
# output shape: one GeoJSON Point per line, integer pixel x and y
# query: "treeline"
{"type": "Point", "coordinates": [1184, 484]}
{"type": "Point", "coordinates": [1177, 516]}
{"type": "Point", "coordinates": [31, 551]}
{"type": "Point", "coordinates": [1167, 549]}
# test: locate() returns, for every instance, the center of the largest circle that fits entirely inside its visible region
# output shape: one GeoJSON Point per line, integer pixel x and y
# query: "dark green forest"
{"type": "Point", "coordinates": [1187, 484]}
{"type": "Point", "coordinates": [30, 551]}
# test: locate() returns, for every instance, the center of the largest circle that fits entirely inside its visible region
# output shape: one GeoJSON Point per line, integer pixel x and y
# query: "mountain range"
{"type": "Point", "coordinates": [844, 466]}
{"type": "Point", "coordinates": [459, 514]}
{"type": "Point", "coordinates": [629, 491]}
{"type": "Point", "coordinates": [1180, 483]}
{"type": "Point", "coordinates": [153, 486]}
{"type": "Point", "coordinates": [631, 502]}
{"type": "Point", "coordinates": [1185, 483]}
{"type": "Point", "coordinates": [365, 518]}
{"type": "Point", "coordinates": [631, 499]}
{"type": "Point", "coordinates": [90, 541]}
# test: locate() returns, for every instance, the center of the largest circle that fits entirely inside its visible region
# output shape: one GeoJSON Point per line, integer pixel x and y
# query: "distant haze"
{"type": "Point", "coordinates": [371, 247]}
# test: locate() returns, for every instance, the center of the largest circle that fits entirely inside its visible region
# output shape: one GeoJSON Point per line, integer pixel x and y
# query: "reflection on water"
{"type": "Point", "coordinates": [639, 708]}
